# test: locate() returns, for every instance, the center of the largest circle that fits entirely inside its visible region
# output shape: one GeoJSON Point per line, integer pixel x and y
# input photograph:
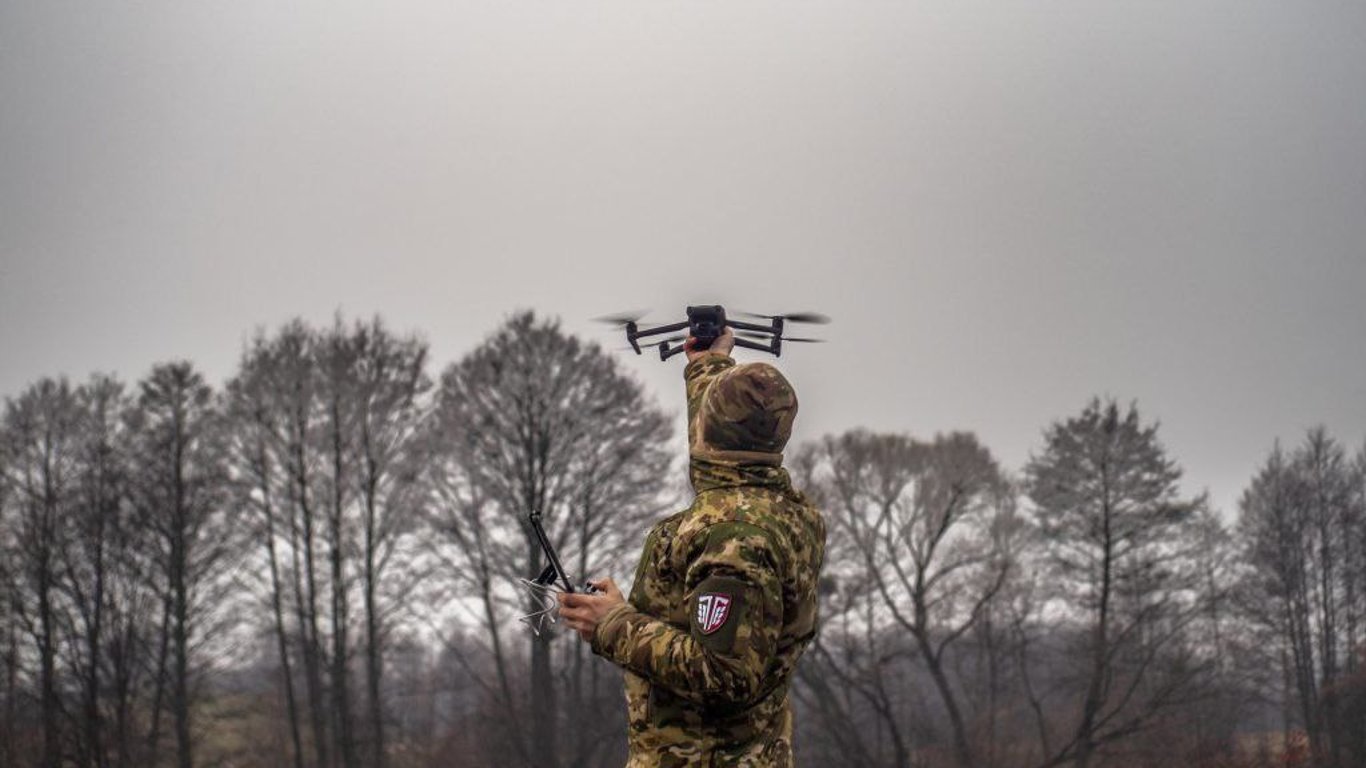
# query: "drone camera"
{"type": "Point", "coordinates": [706, 323]}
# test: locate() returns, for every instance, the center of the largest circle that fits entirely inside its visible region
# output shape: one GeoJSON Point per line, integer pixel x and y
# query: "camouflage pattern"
{"type": "Point", "coordinates": [747, 408]}
{"type": "Point", "coordinates": [724, 599]}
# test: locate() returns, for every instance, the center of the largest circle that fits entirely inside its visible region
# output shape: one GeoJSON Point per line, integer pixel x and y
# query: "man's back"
{"type": "Point", "coordinates": [723, 604]}
{"type": "Point", "coordinates": [734, 711]}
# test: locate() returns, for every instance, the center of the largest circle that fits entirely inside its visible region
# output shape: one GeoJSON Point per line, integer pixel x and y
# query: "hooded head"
{"type": "Point", "coordinates": [744, 415]}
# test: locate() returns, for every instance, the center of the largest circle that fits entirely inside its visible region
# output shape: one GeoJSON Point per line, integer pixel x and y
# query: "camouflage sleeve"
{"type": "Point", "coordinates": [697, 375]}
{"type": "Point", "coordinates": [736, 612]}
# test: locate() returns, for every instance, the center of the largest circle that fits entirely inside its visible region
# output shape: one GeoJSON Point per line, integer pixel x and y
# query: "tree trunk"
{"type": "Point", "coordinates": [47, 653]}
{"type": "Point", "coordinates": [306, 599]}
{"type": "Point", "coordinates": [11, 695]}
{"type": "Point", "coordinates": [340, 683]}
{"type": "Point", "coordinates": [373, 654]}
{"type": "Point", "coordinates": [935, 665]}
{"type": "Point", "coordinates": [179, 587]}
{"type": "Point", "coordinates": [180, 680]}
{"type": "Point", "coordinates": [281, 636]}
{"type": "Point", "coordinates": [374, 650]}
{"type": "Point", "coordinates": [543, 707]}
{"type": "Point", "coordinates": [47, 650]}
{"type": "Point", "coordinates": [159, 690]}
{"type": "Point", "coordinates": [1100, 642]}
{"type": "Point", "coordinates": [123, 693]}
{"type": "Point", "coordinates": [340, 679]}
{"type": "Point", "coordinates": [92, 685]}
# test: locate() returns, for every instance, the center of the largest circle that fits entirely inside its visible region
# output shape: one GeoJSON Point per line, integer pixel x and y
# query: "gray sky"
{"type": "Point", "coordinates": [1008, 207]}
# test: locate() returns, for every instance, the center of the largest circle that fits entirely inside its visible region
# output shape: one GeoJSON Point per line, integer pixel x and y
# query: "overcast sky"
{"type": "Point", "coordinates": [1007, 207]}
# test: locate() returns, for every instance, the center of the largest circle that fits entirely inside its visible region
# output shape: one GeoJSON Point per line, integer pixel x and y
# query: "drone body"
{"type": "Point", "coordinates": [707, 322]}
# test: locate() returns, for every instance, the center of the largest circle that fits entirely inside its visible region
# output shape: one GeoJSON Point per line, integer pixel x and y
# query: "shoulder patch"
{"type": "Point", "coordinates": [713, 609]}
{"type": "Point", "coordinates": [717, 611]}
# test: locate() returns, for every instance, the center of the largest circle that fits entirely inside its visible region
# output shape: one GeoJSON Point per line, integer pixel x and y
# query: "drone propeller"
{"type": "Point", "coordinates": [794, 317]}
{"type": "Point", "coordinates": [766, 337]}
{"type": "Point", "coordinates": [623, 318]}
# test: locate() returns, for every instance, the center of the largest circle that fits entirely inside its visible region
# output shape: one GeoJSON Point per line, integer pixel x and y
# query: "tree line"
{"type": "Point", "coordinates": [316, 565]}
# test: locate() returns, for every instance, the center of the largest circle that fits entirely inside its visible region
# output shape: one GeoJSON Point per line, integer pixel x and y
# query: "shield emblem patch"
{"type": "Point", "coordinates": [713, 609]}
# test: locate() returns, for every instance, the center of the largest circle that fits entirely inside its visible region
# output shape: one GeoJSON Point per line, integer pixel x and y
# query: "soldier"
{"type": "Point", "coordinates": [724, 599]}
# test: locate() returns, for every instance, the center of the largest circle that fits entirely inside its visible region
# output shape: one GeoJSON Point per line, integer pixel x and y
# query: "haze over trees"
{"type": "Point", "coordinates": [315, 565]}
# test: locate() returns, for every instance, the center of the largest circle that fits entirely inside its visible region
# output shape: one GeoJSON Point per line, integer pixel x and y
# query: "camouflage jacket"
{"type": "Point", "coordinates": [723, 604]}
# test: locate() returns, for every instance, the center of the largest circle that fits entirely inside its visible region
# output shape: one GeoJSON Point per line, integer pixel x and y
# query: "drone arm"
{"type": "Point", "coordinates": [670, 328]}
{"type": "Point", "coordinates": [741, 325]}
{"type": "Point", "coordinates": [667, 352]}
{"type": "Point", "coordinates": [747, 344]}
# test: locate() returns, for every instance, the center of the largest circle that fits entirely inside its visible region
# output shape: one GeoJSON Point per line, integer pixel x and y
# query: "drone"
{"type": "Point", "coordinates": [705, 323]}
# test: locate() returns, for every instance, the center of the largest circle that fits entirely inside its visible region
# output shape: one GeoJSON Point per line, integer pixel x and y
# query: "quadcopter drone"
{"type": "Point", "coordinates": [705, 323]}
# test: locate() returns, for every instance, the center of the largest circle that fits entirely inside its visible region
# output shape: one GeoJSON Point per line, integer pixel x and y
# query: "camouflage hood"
{"type": "Point", "coordinates": [739, 420]}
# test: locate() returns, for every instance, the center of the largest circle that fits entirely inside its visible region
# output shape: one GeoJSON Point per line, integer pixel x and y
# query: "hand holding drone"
{"type": "Point", "coordinates": [705, 323]}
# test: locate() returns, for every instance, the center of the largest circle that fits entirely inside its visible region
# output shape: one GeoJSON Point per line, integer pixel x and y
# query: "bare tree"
{"type": "Point", "coordinates": [336, 356]}
{"type": "Point", "coordinates": [324, 442]}
{"type": "Point", "coordinates": [390, 407]}
{"type": "Point", "coordinates": [1323, 465]}
{"type": "Point", "coordinates": [535, 420]}
{"type": "Point", "coordinates": [178, 493]}
{"type": "Point", "coordinates": [1213, 723]}
{"type": "Point", "coordinates": [133, 618]}
{"type": "Point", "coordinates": [40, 447]}
{"type": "Point", "coordinates": [9, 652]}
{"type": "Point", "coordinates": [1121, 556]}
{"type": "Point", "coordinates": [77, 583]}
{"type": "Point", "coordinates": [296, 381]}
{"type": "Point", "coordinates": [1301, 525]}
{"type": "Point", "coordinates": [92, 555]}
{"type": "Point", "coordinates": [475, 546]}
{"type": "Point", "coordinates": [257, 416]}
{"type": "Point", "coordinates": [9, 629]}
{"type": "Point", "coordinates": [917, 518]}
{"type": "Point", "coordinates": [1355, 594]}
{"type": "Point", "coordinates": [849, 682]}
